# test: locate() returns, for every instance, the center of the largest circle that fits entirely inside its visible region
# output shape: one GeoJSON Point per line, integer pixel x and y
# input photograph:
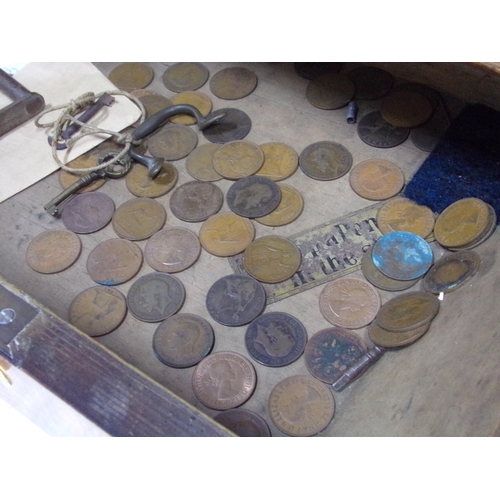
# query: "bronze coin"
{"type": "Point", "coordinates": [172, 250]}
{"type": "Point", "coordinates": [243, 423]}
{"type": "Point", "coordinates": [53, 251]}
{"type": "Point", "coordinates": [325, 160]}
{"type": "Point", "coordinates": [140, 184]}
{"type": "Point", "coordinates": [370, 82]}
{"type": "Point", "coordinates": [386, 338]}
{"type": "Point", "coordinates": [404, 108]}
{"type": "Point", "coordinates": [172, 142]}
{"type": "Point", "coordinates": [199, 163]}
{"type": "Point", "coordinates": [330, 91]}
{"type": "Point", "coordinates": [379, 133]}
{"type": "Point", "coordinates": [114, 261]}
{"type": "Point", "coordinates": [184, 76]}
{"type": "Point", "coordinates": [235, 126]}
{"type": "Point", "coordinates": [183, 340]}
{"type": "Point", "coordinates": [138, 219]}
{"type": "Point", "coordinates": [301, 406]}
{"type": "Point", "coordinates": [280, 161]}
{"type": "Point", "coordinates": [238, 159]}
{"type": "Point", "coordinates": [98, 310]}
{"type": "Point", "coordinates": [224, 380]}
{"type": "Point", "coordinates": [132, 75]}
{"type": "Point", "coordinates": [233, 83]}
{"type": "Point", "coordinates": [429, 93]}
{"type": "Point", "coordinates": [152, 101]}
{"type": "Point", "coordinates": [197, 99]}
{"type": "Point", "coordinates": [88, 212]}
{"type": "Point", "coordinates": [426, 137]}
{"type": "Point", "coordinates": [288, 210]}
{"type": "Point", "coordinates": [196, 201]}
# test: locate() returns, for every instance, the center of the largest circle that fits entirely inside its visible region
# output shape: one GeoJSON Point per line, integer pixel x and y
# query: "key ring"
{"type": "Point", "coordinates": [115, 170]}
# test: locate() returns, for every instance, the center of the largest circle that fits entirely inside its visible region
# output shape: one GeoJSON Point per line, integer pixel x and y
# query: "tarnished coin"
{"type": "Point", "coordinates": [330, 91]}
{"type": "Point", "coordinates": [233, 83]}
{"type": "Point", "coordinates": [172, 142]}
{"type": "Point", "coordinates": [275, 339]}
{"type": "Point", "coordinates": [224, 380]}
{"type": "Point", "coordinates": [429, 93]}
{"type": "Point", "coordinates": [183, 340]}
{"type": "Point", "coordinates": [451, 272]}
{"type": "Point", "coordinates": [235, 300]}
{"type": "Point", "coordinates": [131, 75]}
{"type": "Point", "coordinates": [386, 338]}
{"type": "Point", "coordinates": [325, 160]}
{"type": "Point", "coordinates": [370, 82]}
{"type": "Point", "coordinates": [253, 196]}
{"type": "Point", "coordinates": [427, 136]}
{"type": "Point", "coordinates": [311, 70]}
{"type": "Point", "coordinates": [184, 76]}
{"type": "Point", "coordinates": [196, 201]}
{"type": "Point", "coordinates": [53, 251]}
{"type": "Point", "coordinates": [225, 234]}
{"type": "Point", "coordinates": [98, 310]}
{"type": "Point", "coordinates": [280, 161]}
{"type": "Point", "coordinates": [138, 219]}
{"type": "Point", "coordinates": [243, 423]}
{"type": "Point", "coordinates": [238, 159]}
{"type": "Point", "coordinates": [376, 179]}
{"type": "Point", "coordinates": [272, 259]}
{"type": "Point", "coordinates": [301, 406]}
{"type": "Point", "coordinates": [155, 296]}
{"type": "Point", "coordinates": [199, 163]}
{"type": "Point", "coordinates": [197, 99]}
{"type": "Point", "coordinates": [140, 184]}
{"type": "Point", "coordinates": [172, 249]}
{"type": "Point", "coordinates": [402, 214]}
{"type": "Point", "coordinates": [288, 210]}
{"type": "Point", "coordinates": [377, 132]}
{"type": "Point", "coordinates": [152, 101]}
{"type": "Point", "coordinates": [88, 212]}
{"type": "Point", "coordinates": [234, 126]}
{"type": "Point", "coordinates": [404, 108]}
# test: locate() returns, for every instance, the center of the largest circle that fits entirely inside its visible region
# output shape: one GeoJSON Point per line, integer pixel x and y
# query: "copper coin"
{"type": "Point", "coordinates": [131, 75]}
{"type": "Point", "coordinates": [224, 380]}
{"type": "Point", "coordinates": [53, 251]}
{"type": "Point", "coordinates": [199, 163]}
{"type": "Point", "coordinates": [152, 101]}
{"type": "Point", "coordinates": [325, 160]}
{"type": "Point", "coordinates": [235, 300]}
{"type": "Point", "coordinates": [429, 93]}
{"type": "Point", "coordinates": [238, 159]}
{"type": "Point", "coordinates": [138, 219]}
{"type": "Point", "coordinates": [185, 76]}
{"type": "Point", "coordinates": [330, 91]}
{"type": "Point", "coordinates": [301, 406]}
{"type": "Point", "coordinates": [155, 296]}
{"type": "Point", "coordinates": [197, 99]}
{"type": "Point", "coordinates": [183, 340]}
{"type": "Point", "coordinates": [140, 184]}
{"type": "Point", "coordinates": [98, 310]}
{"type": "Point", "coordinates": [311, 70]}
{"type": "Point", "coordinates": [196, 201]}
{"type": "Point", "coordinates": [234, 126]}
{"type": "Point", "coordinates": [379, 133]}
{"type": "Point", "coordinates": [370, 82]}
{"type": "Point", "coordinates": [243, 423]}
{"type": "Point", "coordinates": [386, 338]}
{"type": "Point", "coordinates": [114, 261]}
{"type": "Point", "coordinates": [88, 212]}
{"type": "Point", "coordinates": [172, 142]}
{"type": "Point", "coordinates": [233, 83]}
{"type": "Point", "coordinates": [288, 210]}
{"type": "Point", "coordinates": [426, 137]}
{"type": "Point", "coordinates": [172, 250]}
{"type": "Point", "coordinates": [404, 108]}
{"type": "Point", "coordinates": [280, 161]}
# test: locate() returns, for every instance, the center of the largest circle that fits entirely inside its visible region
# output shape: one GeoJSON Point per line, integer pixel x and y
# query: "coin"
{"type": "Point", "coordinates": [155, 296]}
{"type": "Point", "coordinates": [152, 101]}
{"type": "Point", "coordinates": [301, 406]}
{"type": "Point", "coordinates": [288, 210]}
{"type": "Point", "coordinates": [427, 136]}
{"type": "Point", "coordinates": [404, 108]}
{"type": "Point", "coordinates": [98, 310]}
{"type": "Point", "coordinates": [386, 338]}
{"type": "Point", "coordinates": [275, 339]}
{"type": "Point", "coordinates": [172, 250]}
{"type": "Point", "coordinates": [253, 196]}
{"type": "Point", "coordinates": [376, 179]}
{"type": "Point", "coordinates": [114, 261]}
{"type": "Point", "coordinates": [330, 91]}
{"type": "Point", "coordinates": [130, 76]}
{"type": "Point", "coordinates": [311, 70]}
{"type": "Point", "coordinates": [224, 380]}
{"type": "Point", "coordinates": [172, 142]}
{"type": "Point", "coordinates": [53, 251]}
{"type": "Point", "coordinates": [489, 230]}
{"type": "Point", "coordinates": [199, 163]}
{"type": "Point", "coordinates": [185, 76]}
{"type": "Point", "coordinates": [271, 259]}
{"type": "Point", "coordinates": [140, 184]}
{"type": "Point", "coordinates": [238, 159]}
{"type": "Point", "coordinates": [243, 423]}
{"type": "Point", "coordinates": [235, 300]}
{"type": "Point", "coordinates": [376, 132]}
{"type": "Point", "coordinates": [349, 302]}
{"type": "Point", "coordinates": [429, 93]}
{"type": "Point", "coordinates": [225, 234]}
{"type": "Point", "coordinates": [196, 201]}
{"type": "Point", "coordinates": [370, 82]}
{"type": "Point", "coordinates": [138, 219]}
{"type": "Point", "coordinates": [234, 126]}
{"type": "Point", "coordinates": [88, 212]}
{"type": "Point", "coordinates": [233, 83]}
{"type": "Point", "coordinates": [280, 161]}
{"type": "Point", "coordinates": [197, 99]}
{"type": "Point", "coordinates": [183, 340]}
{"type": "Point", "coordinates": [325, 160]}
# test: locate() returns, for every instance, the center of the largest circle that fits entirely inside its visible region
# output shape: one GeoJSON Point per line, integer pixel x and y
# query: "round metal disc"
{"type": "Point", "coordinates": [376, 132]}
{"type": "Point", "coordinates": [233, 127]}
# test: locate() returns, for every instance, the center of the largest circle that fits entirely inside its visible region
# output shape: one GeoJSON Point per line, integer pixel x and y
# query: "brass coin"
{"type": "Point", "coordinates": [53, 251]}
{"type": "Point", "coordinates": [233, 83]}
{"type": "Point", "coordinates": [224, 380]}
{"type": "Point", "coordinates": [386, 338]}
{"type": "Point", "coordinates": [138, 219]}
{"type": "Point", "coordinates": [403, 108]}
{"type": "Point", "coordinates": [114, 261]}
{"type": "Point", "coordinates": [200, 101]}
{"type": "Point", "coordinates": [88, 212]}
{"type": "Point", "coordinates": [225, 234]}
{"type": "Point", "coordinates": [349, 303]}
{"type": "Point", "coordinates": [280, 161]}
{"type": "Point", "coordinates": [172, 142]}
{"type": "Point", "coordinates": [301, 406]}
{"type": "Point", "coordinates": [152, 101]}
{"type": "Point", "coordinates": [185, 76]}
{"type": "Point", "coordinates": [199, 163]}
{"type": "Point", "coordinates": [237, 159]}
{"type": "Point", "coordinates": [490, 229]}
{"type": "Point", "coordinates": [376, 179]}
{"type": "Point", "coordinates": [139, 183]}
{"type": "Point", "coordinates": [131, 76]}
{"type": "Point", "coordinates": [288, 210]}
{"type": "Point", "coordinates": [98, 310]}
{"type": "Point", "coordinates": [243, 423]}
{"type": "Point", "coordinates": [402, 214]}
{"type": "Point", "coordinates": [272, 259]}
{"type": "Point", "coordinates": [196, 201]}
{"type": "Point", "coordinates": [325, 160]}
{"type": "Point", "coordinates": [330, 91]}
